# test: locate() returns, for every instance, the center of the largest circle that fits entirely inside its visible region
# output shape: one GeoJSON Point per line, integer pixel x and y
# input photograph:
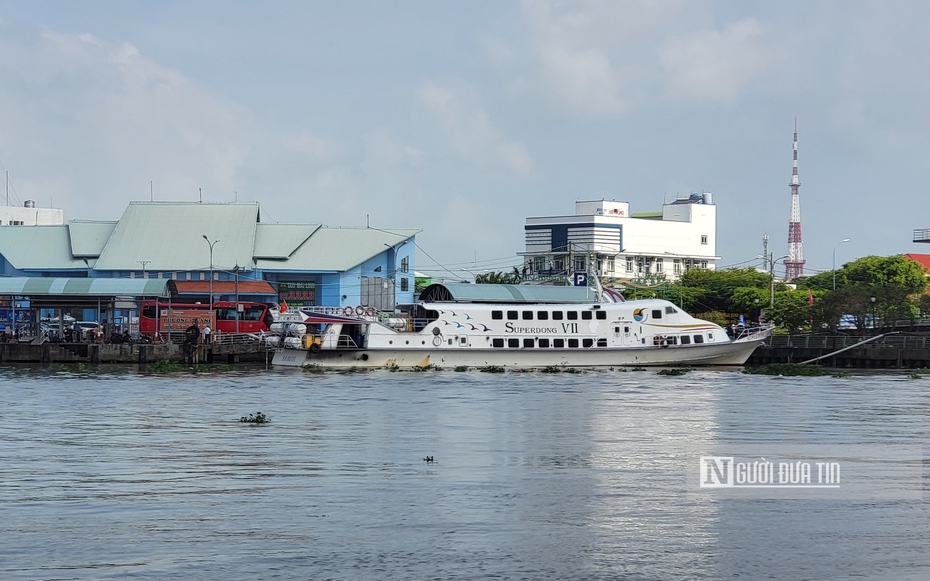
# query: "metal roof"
{"type": "Point", "coordinates": [169, 235]}
{"type": "Point", "coordinates": [93, 287]}
{"type": "Point", "coordinates": [38, 247]}
{"type": "Point", "coordinates": [339, 249]}
{"type": "Point", "coordinates": [89, 237]}
{"type": "Point", "coordinates": [506, 293]}
{"type": "Point", "coordinates": [278, 241]}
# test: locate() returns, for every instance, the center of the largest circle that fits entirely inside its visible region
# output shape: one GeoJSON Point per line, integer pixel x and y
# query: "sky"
{"type": "Point", "coordinates": [463, 119]}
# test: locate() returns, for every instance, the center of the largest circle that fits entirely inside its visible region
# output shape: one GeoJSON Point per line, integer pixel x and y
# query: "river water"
{"type": "Point", "coordinates": [560, 476]}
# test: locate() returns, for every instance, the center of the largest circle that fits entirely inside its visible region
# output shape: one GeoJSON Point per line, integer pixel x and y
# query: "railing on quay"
{"type": "Point", "coordinates": [841, 341]}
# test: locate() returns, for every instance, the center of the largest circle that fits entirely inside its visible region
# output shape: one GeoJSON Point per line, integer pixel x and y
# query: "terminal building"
{"type": "Point", "coordinates": [605, 237]}
{"type": "Point", "coordinates": [223, 248]}
{"type": "Point", "coordinates": [29, 215]}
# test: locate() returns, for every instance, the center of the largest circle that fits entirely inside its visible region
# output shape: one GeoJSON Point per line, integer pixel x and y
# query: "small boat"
{"type": "Point", "coordinates": [509, 326]}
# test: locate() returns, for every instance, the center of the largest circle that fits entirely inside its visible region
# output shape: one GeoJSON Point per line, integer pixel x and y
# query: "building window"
{"type": "Point", "coordinates": [539, 263]}
{"type": "Point", "coordinates": [676, 266]}
{"type": "Point", "coordinates": [405, 264]}
{"type": "Point", "coordinates": [558, 263]}
{"type": "Point", "coordinates": [660, 265]}
{"type": "Point", "coordinates": [704, 264]}
{"type": "Point", "coordinates": [203, 276]}
{"type": "Point", "coordinates": [629, 264]}
{"type": "Point", "coordinates": [610, 264]}
{"type": "Point", "coordinates": [404, 284]}
{"type": "Point", "coordinates": [640, 264]}
{"type": "Point", "coordinates": [579, 263]}
{"type": "Point", "coordinates": [704, 239]}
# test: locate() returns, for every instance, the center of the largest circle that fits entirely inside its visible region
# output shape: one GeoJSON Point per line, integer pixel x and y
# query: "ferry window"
{"type": "Point", "coordinates": [450, 341]}
{"type": "Point", "coordinates": [602, 342]}
{"type": "Point", "coordinates": [148, 312]}
{"type": "Point", "coordinates": [497, 342]}
{"type": "Point", "coordinates": [656, 314]}
{"type": "Point", "coordinates": [497, 315]}
{"type": "Point", "coordinates": [685, 340]}
{"type": "Point", "coordinates": [512, 315]}
{"type": "Point", "coordinates": [513, 343]}
{"type": "Point", "coordinates": [587, 343]}
{"type": "Point", "coordinates": [571, 315]}
{"type": "Point", "coordinates": [586, 315]}
{"type": "Point", "coordinates": [617, 330]}
{"type": "Point", "coordinates": [544, 342]}
{"type": "Point", "coordinates": [670, 310]}
{"type": "Point", "coordinates": [699, 338]}
{"type": "Point", "coordinates": [527, 315]}
{"type": "Point", "coordinates": [671, 340]}
{"type": "Point", "coordinates": [710, 336]}
{"type": "Point", "coordinates": [542, 315]}
{"type": "Point", "coordinates": [463, 340]}
{"type": "Point", "coordinates": [600, 315]}
{"type": "Point", "coordinates": [556, 315]}
{"type": "Point", "coordinates": [626, 329]}
{"type": "Point", "coordinates": [558, 343]}
{"type": "Point", "coordinates": [573, 343]}
{"type": "Point", "coordinates": [529, 343]}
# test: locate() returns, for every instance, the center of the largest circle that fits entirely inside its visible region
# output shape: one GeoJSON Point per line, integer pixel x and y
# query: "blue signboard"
{"type": "Point", "coordinates": [581, 279]}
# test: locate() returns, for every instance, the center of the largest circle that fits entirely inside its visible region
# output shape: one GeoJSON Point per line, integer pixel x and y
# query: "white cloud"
{"type": "Point", "coordinates": [716, 65]}
{"type": "Point", "coordinates": [469, 130]}
{"type": "Point", "coordinates": [587, 51]}
{"type": "Point", "coordinates": [96, 109]}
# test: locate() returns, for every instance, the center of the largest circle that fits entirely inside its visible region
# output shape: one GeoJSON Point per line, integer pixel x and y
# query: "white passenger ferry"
{"type": "Point", "coordinates": [511, 326]}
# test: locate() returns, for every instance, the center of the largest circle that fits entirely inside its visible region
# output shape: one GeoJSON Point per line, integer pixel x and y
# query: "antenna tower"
{"type": "Point", "coordinates": [794, 265]}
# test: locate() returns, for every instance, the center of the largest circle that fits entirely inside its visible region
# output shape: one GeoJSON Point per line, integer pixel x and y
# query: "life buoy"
{"type": "Point", "coordinates": [347, 311]}
{"type": "Point", "coordinates": [658, 340]}
{"type": "Point", "coordinates": [359, 310]}
{"type": "Point", "coordinates": [437, 341]}
{"type": "Point", "coordinates": [370, 311]}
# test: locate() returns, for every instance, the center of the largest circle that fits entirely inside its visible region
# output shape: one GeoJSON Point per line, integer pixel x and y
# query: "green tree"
{"type": "Point", "coordinates": [793, 310]}
{"type": "Point", "coordinates": [500, 277]}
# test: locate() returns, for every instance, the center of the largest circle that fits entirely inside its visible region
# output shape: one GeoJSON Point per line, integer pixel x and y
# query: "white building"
{"type": "Point", "coordinates": [29, 215]}
{"type": "Point", "coordinates": [624, 245]}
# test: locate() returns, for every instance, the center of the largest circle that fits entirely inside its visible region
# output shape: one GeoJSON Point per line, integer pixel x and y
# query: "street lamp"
{"type": "Point", "coordinates": [143, 263]}
{"type": "Point", "coordinates": [843, 241]}
{"type": "Point", "coordinates": [211, 274]}
{"type": "Point", "coordinates": [772, 275]}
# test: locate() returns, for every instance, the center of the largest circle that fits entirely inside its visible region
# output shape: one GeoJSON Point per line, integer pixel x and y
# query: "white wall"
{"type": "Point", "coordinates": [31, 216]}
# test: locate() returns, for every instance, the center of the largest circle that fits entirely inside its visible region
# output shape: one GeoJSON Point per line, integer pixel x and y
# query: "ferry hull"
{"type": "Point", "coordinates": [731, 353]}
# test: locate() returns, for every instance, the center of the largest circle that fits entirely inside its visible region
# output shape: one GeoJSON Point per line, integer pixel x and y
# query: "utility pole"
{"type": "Point", "coordinates": [211, 276]}
{"type": "Point", "coordinates": [143, 263]}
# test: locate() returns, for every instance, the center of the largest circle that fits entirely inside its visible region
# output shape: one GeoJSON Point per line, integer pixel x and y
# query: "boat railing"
{"type": "Point", "coordinates": [346, 342]}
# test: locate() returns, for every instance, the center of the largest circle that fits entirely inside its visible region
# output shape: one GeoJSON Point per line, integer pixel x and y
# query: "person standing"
{"type": "Point", "coordinates": [206, 334]}
{"type": "Point", "coordinates": [191, 338]}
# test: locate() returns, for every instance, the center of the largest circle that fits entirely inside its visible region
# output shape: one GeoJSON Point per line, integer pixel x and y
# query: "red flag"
{"type": "Point", "coordinates": [283, 308]}
{"type": "Point", "coordinates": [810, 298]}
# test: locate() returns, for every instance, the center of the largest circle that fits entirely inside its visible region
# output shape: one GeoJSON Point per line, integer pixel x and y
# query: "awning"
{"type": "Point", "coordinates": [83, 287]}
{"type": "Point", "coordinates": [222, 287]}
{"type": "Point", "coordinates": [505, 293]}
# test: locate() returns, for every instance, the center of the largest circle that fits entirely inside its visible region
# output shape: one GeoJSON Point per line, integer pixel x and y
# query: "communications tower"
{"type": "Point", "coordinates": [794, 264]}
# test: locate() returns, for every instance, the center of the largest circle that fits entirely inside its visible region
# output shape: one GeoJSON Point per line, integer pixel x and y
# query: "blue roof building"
{"type": "Point", "coordinates": [308, 264]}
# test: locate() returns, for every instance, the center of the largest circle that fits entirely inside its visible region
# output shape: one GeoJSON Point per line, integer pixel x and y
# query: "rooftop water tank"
{"type": "Point", "coordinates": [708, 198]}
{"type": "Point", "coordinates": [29, 204]}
